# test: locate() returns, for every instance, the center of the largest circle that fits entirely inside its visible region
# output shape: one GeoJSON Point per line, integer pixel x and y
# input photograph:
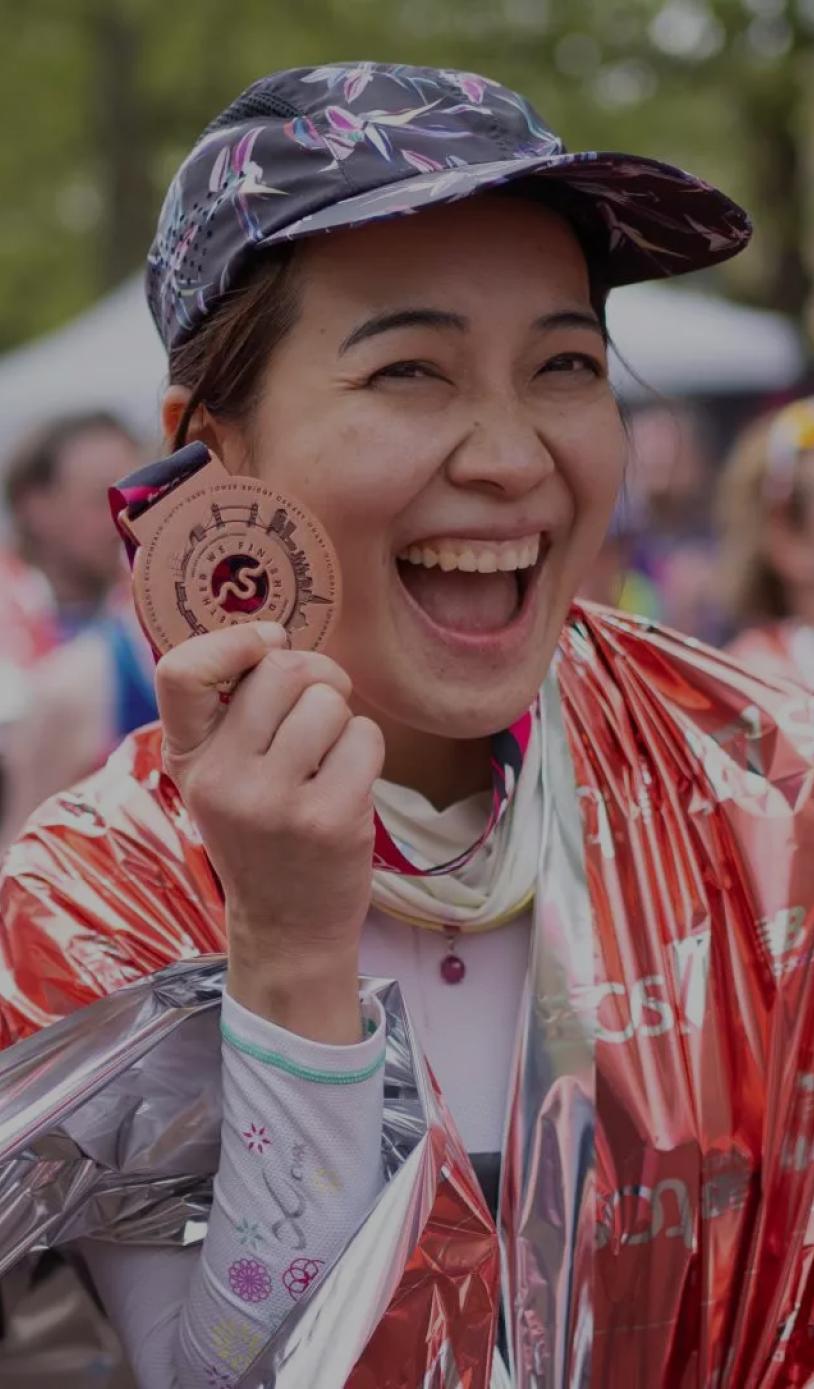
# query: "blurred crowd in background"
{"type": "Point", "coordinates": [714, 534]}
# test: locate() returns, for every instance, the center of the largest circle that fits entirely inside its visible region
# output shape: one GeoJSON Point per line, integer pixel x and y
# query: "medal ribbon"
{"type": "Point", "coordinates": [141, 490]}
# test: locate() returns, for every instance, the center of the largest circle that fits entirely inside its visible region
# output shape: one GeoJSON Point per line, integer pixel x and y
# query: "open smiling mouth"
{"type": "Point", "coordinates": [470, 586]}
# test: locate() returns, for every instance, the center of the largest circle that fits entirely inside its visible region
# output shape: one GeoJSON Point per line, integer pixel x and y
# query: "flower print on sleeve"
{"type": "Point", "coordinates": [299, 1276]}
{"type": "Point", "coordinates": [249, 1233]}
{"type": "Point", "coordinates": [257, 1138]}
{"type": "Point", "coordinates": [236, 1344]}
{"type": "Point", "coordinates": [216, 1378]}
{"type": "Point", "coordinates": [326, 1180]}
{"type": "Point", "coordinates": [250, 1279]}
{"type": "Point", "coordinates": [275, 1226]}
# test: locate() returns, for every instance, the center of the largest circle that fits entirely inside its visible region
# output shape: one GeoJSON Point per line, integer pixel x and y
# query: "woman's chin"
{"type": "Point", "coordinates": [450, 709]}
{"type": "Point", "coordinates": [465, 688]}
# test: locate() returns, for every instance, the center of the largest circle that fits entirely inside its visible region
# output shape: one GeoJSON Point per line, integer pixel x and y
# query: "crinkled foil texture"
{"type": "Point", "coordinates": [659, 1155]}
{"type": "Point", "coordinates": [109, 1123]}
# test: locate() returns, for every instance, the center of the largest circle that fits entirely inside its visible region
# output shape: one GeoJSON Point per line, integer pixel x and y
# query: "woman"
{"type": "Point", "coordinates": [434, 387]}
{"type": "Point", "coordinates": [767, 518]}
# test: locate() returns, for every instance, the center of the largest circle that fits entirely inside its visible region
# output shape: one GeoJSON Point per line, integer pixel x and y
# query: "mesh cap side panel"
{"type": "Point", "coordinates": [248, 106]}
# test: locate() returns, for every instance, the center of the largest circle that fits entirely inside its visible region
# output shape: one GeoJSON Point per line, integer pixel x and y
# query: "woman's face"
{"type": "Point", "coordinates": [442, 404]}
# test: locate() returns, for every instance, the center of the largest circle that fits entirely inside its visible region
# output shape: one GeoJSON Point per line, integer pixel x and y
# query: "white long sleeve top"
{"type": "Point", "coordinates": [300, 1155]}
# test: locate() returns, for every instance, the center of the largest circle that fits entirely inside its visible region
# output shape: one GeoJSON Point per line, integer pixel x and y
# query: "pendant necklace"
{"type": "Point", "coordinates": [452, 967]}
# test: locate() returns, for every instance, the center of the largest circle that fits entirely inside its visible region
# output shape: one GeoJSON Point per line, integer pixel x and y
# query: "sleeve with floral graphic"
{"type": "Point", "coordinates": [300, 1167]}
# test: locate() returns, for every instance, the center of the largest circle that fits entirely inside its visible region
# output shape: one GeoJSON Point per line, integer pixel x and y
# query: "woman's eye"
{"type": "Point", "coordinates": [405, 371]}
{"type": "Point", "coordinates": [573, 362]}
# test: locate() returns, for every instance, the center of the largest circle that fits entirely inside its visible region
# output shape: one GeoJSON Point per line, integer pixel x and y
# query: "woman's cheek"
{"type": "Point", "coordinates": [598, 456]}
{"type": "Point", "coordinates": [593, 474]}
{"type": "Point", "coordinates": [376, 468]}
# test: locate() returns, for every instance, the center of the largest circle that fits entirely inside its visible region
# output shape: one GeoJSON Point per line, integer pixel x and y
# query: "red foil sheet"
{"type": "Point", "coordinates": [658, 1173]}
{"type": "Point", "coordinates": [778, 650]}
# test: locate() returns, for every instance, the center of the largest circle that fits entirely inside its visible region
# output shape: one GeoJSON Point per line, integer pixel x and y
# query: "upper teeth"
{"type": "Point", "coordinates": [475, 556]}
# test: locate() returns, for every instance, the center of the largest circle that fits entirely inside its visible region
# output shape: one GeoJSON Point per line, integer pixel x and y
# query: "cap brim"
{"type": "Point", "coordinates": [653, 220]}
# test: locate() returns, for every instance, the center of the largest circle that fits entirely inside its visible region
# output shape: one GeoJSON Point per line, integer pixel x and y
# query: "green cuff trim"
{"type": "Point", "coordinates": [282, 1063]}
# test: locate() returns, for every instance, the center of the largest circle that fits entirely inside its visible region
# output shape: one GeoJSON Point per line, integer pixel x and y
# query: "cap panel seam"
{"type": "Point", "coordinates": [298, 114]}
{"type": "Point", "coordinates": [496, 132]}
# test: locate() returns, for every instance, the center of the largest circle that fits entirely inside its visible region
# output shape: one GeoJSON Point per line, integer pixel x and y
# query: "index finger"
{"type": "Point", "coordinates": [190, 677]}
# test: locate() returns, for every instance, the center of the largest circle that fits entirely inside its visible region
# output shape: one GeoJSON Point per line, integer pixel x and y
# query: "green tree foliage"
{"type": "Point", "coordinates": [99, 100]}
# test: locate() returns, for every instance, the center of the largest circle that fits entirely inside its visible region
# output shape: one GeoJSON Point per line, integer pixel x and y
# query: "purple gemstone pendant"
{"type": "Point", "coordinates": [452, 968]}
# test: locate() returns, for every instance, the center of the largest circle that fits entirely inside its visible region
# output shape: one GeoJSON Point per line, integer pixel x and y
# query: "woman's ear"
{"type": "Point", "coordinates": [224, 439]}
{"type": "Point", "coordinates": [201, 426]}
{"type": "Point", "coordinates": [173, 406]}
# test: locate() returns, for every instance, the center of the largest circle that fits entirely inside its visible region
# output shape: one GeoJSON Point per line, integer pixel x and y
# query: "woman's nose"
{"type": "Point", "coordinates": [502, 451]}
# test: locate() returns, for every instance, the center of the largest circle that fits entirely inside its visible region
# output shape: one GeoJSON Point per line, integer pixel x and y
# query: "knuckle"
{"type": "Point", "coordinates": [328, 665]}
{"type": "Point", "coordinates": [366, 831]}
{"type": "Point", "coordinates": [324, 670]}
{"type": "Point", "coordinates": [173, 671]}
{"type": "Point", "coordinates": [288, 664]}
{"type": "Point", "coordinates": [327, 698]}
{"type": "Point", "coordinates": [370, 734]}
{"type": "Point", "coordinates": [170, 760]}
{"type": "Point", "coordinates": [289, 672]}
{"type": "Point", "coordinates": [203, 786]}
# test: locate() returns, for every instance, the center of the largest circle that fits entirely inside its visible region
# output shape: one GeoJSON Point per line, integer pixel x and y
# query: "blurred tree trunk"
{"type": "Point", "coordinates": [119, 131]}
{"type": "Point", "coordinates": [770, 114]}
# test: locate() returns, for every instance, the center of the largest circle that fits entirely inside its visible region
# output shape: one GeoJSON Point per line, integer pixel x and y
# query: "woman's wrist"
{"type": "Point", "coordinates": [311, 995]}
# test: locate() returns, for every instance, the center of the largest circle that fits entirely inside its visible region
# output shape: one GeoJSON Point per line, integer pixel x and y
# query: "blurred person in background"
{"type": "Point", "coordinates": [82, 670]}
{"type": "Point", "coordinates": [766, 507]}
{"type": "Point", "coordinates": [672, 546]}
{"type": "Point", "coordinates": [615, 579]}
{"type": "Point", "coordinates": [27, 634]}
{"type": "Point", "coordinates": [72, 710]}
{"type": "Point", "coordinates": [56, 490]}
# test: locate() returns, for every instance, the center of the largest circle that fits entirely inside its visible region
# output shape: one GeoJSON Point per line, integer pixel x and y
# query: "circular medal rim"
{"type": "Point", "coordinates": [152, 608]}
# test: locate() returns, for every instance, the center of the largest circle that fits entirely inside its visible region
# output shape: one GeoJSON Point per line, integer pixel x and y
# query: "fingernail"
{"type": "Point", "coordinates": [273, 632]}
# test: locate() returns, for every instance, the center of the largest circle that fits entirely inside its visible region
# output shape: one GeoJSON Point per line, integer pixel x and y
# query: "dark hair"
{"type": "Point", "coordinates": [222, 362]}
{"type": "Point", "coordinates": [34, 464]}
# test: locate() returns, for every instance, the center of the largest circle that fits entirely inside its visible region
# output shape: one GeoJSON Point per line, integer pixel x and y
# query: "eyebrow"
{"type": "Point", "coordinates": [568, 318]}
{"type": "Point", "coordinates": [439, 318]}
{"type": "Point", "coordinates": [403, 318]}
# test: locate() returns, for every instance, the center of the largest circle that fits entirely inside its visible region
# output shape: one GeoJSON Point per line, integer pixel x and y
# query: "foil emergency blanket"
{"type": "Point", "coordinates": [658, 1169]}
{"type": "Point", "coordinates": [110, 1123]}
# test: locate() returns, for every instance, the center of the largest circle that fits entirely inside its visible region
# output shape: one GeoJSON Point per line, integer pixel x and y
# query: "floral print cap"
{"type": "Point", "coordinates": [312, 149]}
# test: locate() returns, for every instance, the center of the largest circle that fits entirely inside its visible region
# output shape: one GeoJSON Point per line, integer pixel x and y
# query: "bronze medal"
{"type": "Point", "coordinates": [221, 549]}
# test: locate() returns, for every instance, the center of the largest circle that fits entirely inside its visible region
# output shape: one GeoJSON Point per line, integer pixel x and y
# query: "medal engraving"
{"type": "Point", "coordinates": [224, 549]}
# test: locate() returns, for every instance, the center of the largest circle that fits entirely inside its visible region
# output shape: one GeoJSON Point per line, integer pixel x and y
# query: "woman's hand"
{"type": "Point", "coordinates": [279, 782]}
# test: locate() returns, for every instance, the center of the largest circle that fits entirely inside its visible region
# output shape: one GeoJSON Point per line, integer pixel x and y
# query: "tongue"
{"type": "Point", "coordinates": [465, 602]}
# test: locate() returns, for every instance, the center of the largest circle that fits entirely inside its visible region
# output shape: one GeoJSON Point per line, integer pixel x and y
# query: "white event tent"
{"type": "Point", "coordinates": [680, 341]}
